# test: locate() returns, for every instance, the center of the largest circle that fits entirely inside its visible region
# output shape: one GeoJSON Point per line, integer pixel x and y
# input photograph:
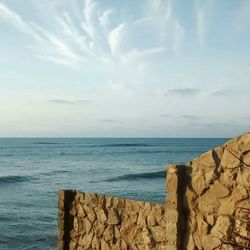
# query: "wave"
{"type": "Point", "coordinates": [131, 177]}
{"type": "Point", "coordinates": [47, 143]}
{"type": "Point", "coordinates": [14, 179]}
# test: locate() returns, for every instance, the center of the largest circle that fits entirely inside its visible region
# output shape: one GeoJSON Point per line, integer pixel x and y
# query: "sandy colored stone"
{"type": "Point", "coordinates": [221, 228]}
{"type": "Point", "coordinates": [219, 190]}
{"type": "Point", "coordinates": [208, 203]}
{"type": "Point", "coordinates": [228, 206]}
{"type": "Point", "coordinates": [128, 232]}
{"type": "Point", "coordinates": [210, 243]}
{"type": "Point", "coordinates": [159, 235]}
{"type": "Point", "coordinates": [113, 218]}
{"type": "Point", "coordinates": [96, 243]}
{"type": "Point", "coordinates": [202, 225]}
{"type": "Point", "coordinates": [117, 232]}
{"type": "Point", "coordinates": [144, 237]}
{"type": "Point", "coordinates": [99, 229]}
{"type": "Point", "coordinates": [87, 225]}
{"type": "Point", "coordinates": [141, 222]}
{"type": "Point", "coordinates": [72, 245]}
{"type": "Point", "coordinates": [86, 241]}
{"type": "Point", "coordinates": [105, 245]}
{"type": "Point", "coordinates": [91, 215]}
{"type": "Point", "coordinates": [133, 217]}
{"type": "Point", "coordinates": [151, 220]}
{"type": "Point", "coordinates": [80, 212]}
{"type": "Point", "coordinates": [210, 219]}
{"type": "Point", "coordinates": [239, 193]}
{"type": "Point", "coordinates": [101, 215]}
{"type": "Point", "coordinates": [199, 182]}
{"type": "Point", "coordinates": [75, 224]}
{"type": "Point", "coordinates": [243, 178]}
{"type": "Point", "coordinates": [229, 160]}
{"type": "Point", "coordinates": [72, 211]}
{"type": "Point", "coordinates": [108, 234]}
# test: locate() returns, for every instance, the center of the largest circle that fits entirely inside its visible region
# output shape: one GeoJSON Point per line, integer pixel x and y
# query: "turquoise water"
{"type": "Point", "coordinates": [33, 170]}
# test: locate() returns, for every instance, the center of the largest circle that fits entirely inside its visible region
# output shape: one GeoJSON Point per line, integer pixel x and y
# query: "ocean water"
{"type": "Point", "coordinates": [33, 170]}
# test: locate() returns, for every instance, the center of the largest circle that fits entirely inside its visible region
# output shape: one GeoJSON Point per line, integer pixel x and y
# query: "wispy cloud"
{"type": "Point", "coordinates": [64, 101]}
{"type": "Point", "coordinates": [115, 38]}
{"type": "Point", "coordinates": [108, 120]}
{"type": "Point", "coordinates": [184, 91]}
{"type": "Point", "coordinates": [221, 92]}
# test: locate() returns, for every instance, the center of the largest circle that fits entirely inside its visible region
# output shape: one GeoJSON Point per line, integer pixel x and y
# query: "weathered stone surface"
{"type": "Point", "coordinates": [229, 160]}
{"type": "Point", "coordinates": [210, 243]}
{"type": "Point", "coordinates": [221, 228]}
{"type": "Point", "coordinates": [239, 193]}
{"type": "Point", "coordinates": [219, 190]}
{"type": "Point", "coordinates": [227, 207]}
{"type": "Point", "coordinates": [208, 204]}
{"type": "Point", "coordinates": [113, 218]}
{"type": "Point", "coordinates": [101, 215]}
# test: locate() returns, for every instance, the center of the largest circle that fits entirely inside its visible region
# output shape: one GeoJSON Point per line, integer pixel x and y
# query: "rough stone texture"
{"type": "Point", "coordinates": [217, 197]}
{"type": "Point", "coordinates": [207, 208]}
{"type": "Point", "coordinates": [103, 222]}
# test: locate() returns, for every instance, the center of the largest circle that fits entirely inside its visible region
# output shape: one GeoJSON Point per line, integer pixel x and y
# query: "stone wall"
{"type": "Point", "coordinates": [90, 221]}
{"type": "Point", "coordinates": [207, 208]}
{"type": "Point", "coordinates": [213, 209]}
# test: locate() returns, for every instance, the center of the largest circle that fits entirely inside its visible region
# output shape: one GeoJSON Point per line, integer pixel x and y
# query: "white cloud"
{"type": "Point", "coordinates": [104, 18]}
{"type": "Point", "coordinates": [16, 20]}
{"type": "Point", "coordinates": [116, 37]}
{"type": "Point", "coordinates": [137, 54]}
{"type": "Point", "coordinates": [63, 50]}
{"type": "Point", "coordinates": [201, 26]}
{"type": "Point", "coordinates": [179, 34]}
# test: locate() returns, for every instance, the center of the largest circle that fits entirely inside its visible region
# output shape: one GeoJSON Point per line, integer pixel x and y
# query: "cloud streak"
{"type": "Point", "coordinates": [184, 91]}
{"type": "Point", "coordinates": [68, 102]}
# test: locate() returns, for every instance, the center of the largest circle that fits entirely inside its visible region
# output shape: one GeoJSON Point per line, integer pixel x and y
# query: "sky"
{"type": "Point", "coordinates": [108, 68]}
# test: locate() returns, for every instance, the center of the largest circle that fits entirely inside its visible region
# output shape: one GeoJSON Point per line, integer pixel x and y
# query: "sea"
{"type": "Point", "coordinates": [32, 170]}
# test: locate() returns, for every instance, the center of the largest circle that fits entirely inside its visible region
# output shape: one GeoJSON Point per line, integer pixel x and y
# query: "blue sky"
{"type": "Point", "coordinates": [144, 68]}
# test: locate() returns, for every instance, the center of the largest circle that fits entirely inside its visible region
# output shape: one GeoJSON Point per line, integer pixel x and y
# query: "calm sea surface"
{"type": "Point", "coordinates": [33, 170]}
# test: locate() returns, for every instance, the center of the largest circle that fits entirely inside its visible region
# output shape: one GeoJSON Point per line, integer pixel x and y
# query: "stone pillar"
{"type": "Point", "coordinates": [174, 207]}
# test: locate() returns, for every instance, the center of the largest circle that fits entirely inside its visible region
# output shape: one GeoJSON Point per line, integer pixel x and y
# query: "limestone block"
{"type": "Point", "coordinates": [133, 216]}
{"type": "Point", "coordinates": [209, 242]}
{"type": "Point", "coordinates": [210, 219]}
{"type": "Point", "coordinates": [228, 206]}
{"type": "Point", "coordinates": [141, 222]}
{"type": "Point", "coordinates": [219, 190]}
{"type": "Point", "coordinates": [85, 242]}
{"type": "Point", "coordinates": [202, 225]}
{"type": "Point", "coordinates": [239, 193]}
{"type": "Point", "coordinates": [75, 224]}
{"type": "Point", "coordinates": [190, 199]}
{"type": "Point", "coordinates": [96, 243]}
{"type": "Point", "coordinates": [128, 232]}
{"type": "Point", "coordinates": [229, 160]}
{"type": "Point", "coordinates": [108, 234]}
{"type": "Point", "coordinates": [243, 178]}
{"type": "Point", "coordinates": [99, 229]}
{"type": "Point", "coordinates": [80, 212]}
{"type": "Point", "coordinates": [113, 218]}
{"type": "Point", "coordinates": [101, 215]}
{"type": "Point", "coordinates": [222, 227]}
{"type": "Point", "coordinates": [144, 237]}
{"type": "Point", "coordinates": [105, 245]}
{"type": "Point", "coordinates": [159, 235]}
{"type": "Point", "coordinates": [117, 232]}
{"type": "Point", "coordinates": [86, 225]}
{"type": "Point", "coordinates": [208, 203]}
